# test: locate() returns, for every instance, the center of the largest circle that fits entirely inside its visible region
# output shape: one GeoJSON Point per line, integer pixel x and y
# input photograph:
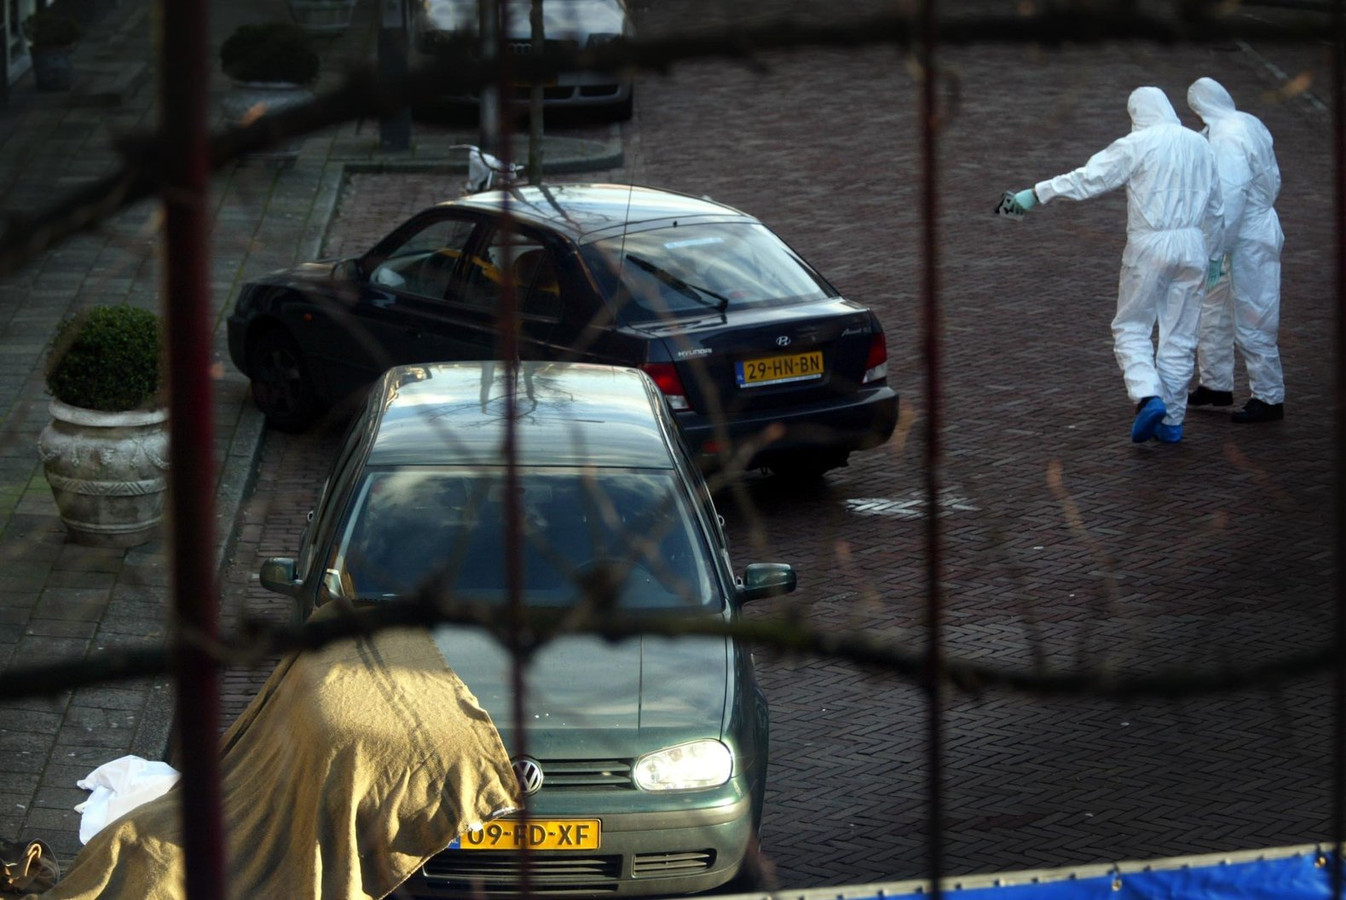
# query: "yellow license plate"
{"type": "Point", "coordinates": [780, 369]}
{"type": "Point", "coordinates": [536, 834]}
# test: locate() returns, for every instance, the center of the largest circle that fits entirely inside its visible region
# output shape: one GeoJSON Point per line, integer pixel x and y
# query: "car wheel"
{"type": "Point", "coordinates": [804, 465]}
{"type": "Point", "coordinates": [281, 386]}
{"type": "Point", "coordinates": [623, 111]}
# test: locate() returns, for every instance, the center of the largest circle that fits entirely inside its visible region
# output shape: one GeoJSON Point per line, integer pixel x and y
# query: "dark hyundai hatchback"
{"type": "Point", "coordinates": [756, 353]}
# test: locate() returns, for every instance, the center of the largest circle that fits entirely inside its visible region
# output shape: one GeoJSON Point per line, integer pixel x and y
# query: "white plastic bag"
{"type": "Point", "coordinates": [119, 787]}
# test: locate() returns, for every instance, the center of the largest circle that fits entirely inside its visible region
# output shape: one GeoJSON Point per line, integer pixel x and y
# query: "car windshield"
{"type": "Point", "coordinates": [690, 270]}
{"type": "Point", "coordinates": [627, 538]}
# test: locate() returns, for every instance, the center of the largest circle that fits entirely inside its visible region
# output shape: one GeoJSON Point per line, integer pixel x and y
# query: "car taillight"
{"type": "Point", "coordinates": [665, 375]}
{"type": "Point", "coordinates": [876, 363]}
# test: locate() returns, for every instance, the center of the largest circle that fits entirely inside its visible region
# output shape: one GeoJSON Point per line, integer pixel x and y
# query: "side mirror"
{"type": "Point", "coordinates": [766, 580]}
{"type": "Point", "coordinates": [279, 574]}
{"type": "Point", "coordinates": [348, 270]}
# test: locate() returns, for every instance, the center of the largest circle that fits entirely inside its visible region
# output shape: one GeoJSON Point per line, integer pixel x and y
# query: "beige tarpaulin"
{"type": "Point", "coordinates": [351, 767]}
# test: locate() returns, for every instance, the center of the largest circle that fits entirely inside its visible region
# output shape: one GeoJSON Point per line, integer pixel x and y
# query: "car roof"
{"type": "Point", "coordinates": [566, 414]}
{"type": "Point", "coordinates": [590, 211]}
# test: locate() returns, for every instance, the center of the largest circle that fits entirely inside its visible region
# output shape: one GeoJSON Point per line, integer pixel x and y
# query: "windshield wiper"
{"type": "Point", "coordinates": [691, 291]}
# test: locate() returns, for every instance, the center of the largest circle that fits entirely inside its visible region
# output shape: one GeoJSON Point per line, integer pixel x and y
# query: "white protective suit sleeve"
{"type": "Point", "coordinates": [1155, 201]}
{"type": "Point", "coordinates": [1106, 170]}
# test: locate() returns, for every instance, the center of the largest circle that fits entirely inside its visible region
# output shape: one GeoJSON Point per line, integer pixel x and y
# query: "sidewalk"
{"type": "Point", "coordinates": [60, 601]}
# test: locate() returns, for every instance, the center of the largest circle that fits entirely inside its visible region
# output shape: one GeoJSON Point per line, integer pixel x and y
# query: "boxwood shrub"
{"type": "Point", "coordinates": [106, 358]}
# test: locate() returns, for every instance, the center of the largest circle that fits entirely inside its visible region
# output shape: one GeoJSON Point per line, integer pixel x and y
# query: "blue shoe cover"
{"type": "Point", "coordinates": [1168, 434]}
{"type": "Point", "coordinates": [1147, 419]}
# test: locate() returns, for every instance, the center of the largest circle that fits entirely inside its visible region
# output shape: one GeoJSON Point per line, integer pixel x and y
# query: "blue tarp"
{"type": "Point", "coordinates": [1299, 877]}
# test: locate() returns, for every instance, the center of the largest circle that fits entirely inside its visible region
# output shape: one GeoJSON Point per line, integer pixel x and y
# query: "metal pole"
{"type": "Point", "coordinates": [934, 660]}
{"type": "Point", "coordinates": [1339, 490]}
{"type": "Point", "coordinates": [539, 36]}
{"type": "Point", "coordinates": [185, 170]}
{"type": "Point", "coordinates": [394, 128]}
{"type": "Point", "coordinates": [7, 28]}
{"type": "Point", "coordinates": [488, 107]}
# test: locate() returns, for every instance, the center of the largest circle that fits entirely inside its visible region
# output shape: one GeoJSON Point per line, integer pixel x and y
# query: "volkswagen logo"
{"type": "Point", "coordinates": [529, 773]}
{"type": "Point", "coordinates": [783, 341]}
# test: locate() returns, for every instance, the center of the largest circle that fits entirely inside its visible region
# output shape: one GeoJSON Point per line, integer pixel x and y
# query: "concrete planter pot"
{"type": "Point", "coordinates": [250, 99]}
{"type": "Point", "coordinates": [322, 17]}
{"type": "Point", "coordinates": [107, 471]}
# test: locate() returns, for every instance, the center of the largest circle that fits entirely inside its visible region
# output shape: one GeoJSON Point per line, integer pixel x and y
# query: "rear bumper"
{"type": "Point", "coordinates": [571, 90]}
{"type": "Point", "coordinates": [861, 422]}
{"type": "Point", "coordinates": [642, 854]}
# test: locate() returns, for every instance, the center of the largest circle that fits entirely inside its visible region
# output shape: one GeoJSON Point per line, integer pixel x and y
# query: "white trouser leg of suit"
{"type": "Point", "coordinates": [1256, 273]}
{"type": "Point", "coordinates": [1133, 325]}
{"type": "Point", "coordinates": [1179, 313]}
{"type": "Point", "coordinates": [1215, 338]}
{"type": "Point", "coordinates": [1161, 283]}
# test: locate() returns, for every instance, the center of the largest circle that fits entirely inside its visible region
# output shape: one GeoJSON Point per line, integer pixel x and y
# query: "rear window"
{"type": "Point", "coordinates": [691, 269]}
{"type": "Point", "coordinates": [628, 537]}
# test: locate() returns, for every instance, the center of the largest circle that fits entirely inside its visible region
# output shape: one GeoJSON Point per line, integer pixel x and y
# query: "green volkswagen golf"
{"type": "Point", "coordinates": [643, 760]}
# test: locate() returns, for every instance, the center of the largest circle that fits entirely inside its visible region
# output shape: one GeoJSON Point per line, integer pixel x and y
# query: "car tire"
{"type": "Point", "coordinates": [281, 386]}
{"type": "Point", "coordinates": [623, 111]}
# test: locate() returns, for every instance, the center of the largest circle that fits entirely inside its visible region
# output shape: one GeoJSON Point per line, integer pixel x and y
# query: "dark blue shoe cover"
{"type": "Point", "coordinates": [1148, 417]}
{"type": "Point", "coordinates": [1168, 434]}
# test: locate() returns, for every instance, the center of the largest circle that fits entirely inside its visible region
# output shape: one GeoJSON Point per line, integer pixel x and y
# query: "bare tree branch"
{"type": "Point", "coordinates": [364, 94]}
{"type": "Point", "coordinates": [257, 642]}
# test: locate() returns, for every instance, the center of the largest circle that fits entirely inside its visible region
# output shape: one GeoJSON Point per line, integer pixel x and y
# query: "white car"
{"type": "Point", "coordinates": [567, 24]}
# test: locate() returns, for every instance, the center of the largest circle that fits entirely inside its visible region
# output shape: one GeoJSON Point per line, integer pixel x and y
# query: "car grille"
{"type": "Point", "coordinates": [498, 872]}
{"type": "Point", "coordinates": [671, 865]}
{"type": "Point", "coordinates": [587, 774]}
{"type": "Point", "coordinates": [521, 48]}
{"type": "Point", "coordinates": [554, 875]}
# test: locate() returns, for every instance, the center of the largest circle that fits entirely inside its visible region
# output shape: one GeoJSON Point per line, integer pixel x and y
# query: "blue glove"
{"type": "Point", "coordinates": [1024, 201]}
{"type": "Point", "coordinates": [1214, 272]}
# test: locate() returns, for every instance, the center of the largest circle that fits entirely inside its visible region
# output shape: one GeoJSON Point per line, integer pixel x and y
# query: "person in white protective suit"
{"type": "Point", "coordinates": [1173, 225]}
{"type": "Point", "coordinates": [1242, 309]}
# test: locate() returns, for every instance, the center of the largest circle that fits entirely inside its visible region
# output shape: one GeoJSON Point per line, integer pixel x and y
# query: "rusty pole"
{"type": "Point", "coordinates": [185, 168]}
{"type": "Point", "coordinates": [930, 325]}
{"type": "Point", "coordinates": [1339, 226]}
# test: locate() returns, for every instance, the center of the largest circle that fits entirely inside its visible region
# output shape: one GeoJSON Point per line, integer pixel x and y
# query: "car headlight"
{"type": "Point", "coordinates": [599, 38]}
{"type": "Point", "coordinates": [700, 764]}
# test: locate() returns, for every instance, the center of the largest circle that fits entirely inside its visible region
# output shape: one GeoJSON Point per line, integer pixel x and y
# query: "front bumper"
{"type": "Point", "coordinates": [642, 854]}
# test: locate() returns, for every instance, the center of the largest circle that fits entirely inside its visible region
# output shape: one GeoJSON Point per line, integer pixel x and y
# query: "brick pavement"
{"type": "Point", "coordinates": [1063, 544]}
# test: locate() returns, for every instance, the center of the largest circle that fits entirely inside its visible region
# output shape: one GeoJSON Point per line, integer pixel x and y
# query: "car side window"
{"type": "Point", "coordinates": [530, 265]}
{"type": "Point", "coordinates": [425, 262]}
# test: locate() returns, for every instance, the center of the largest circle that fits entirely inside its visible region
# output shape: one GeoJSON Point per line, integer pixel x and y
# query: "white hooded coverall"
{"type": "Point", "coordinates": [1250, 181]}
{"type": "Point", "coordinates": [1173, 225]}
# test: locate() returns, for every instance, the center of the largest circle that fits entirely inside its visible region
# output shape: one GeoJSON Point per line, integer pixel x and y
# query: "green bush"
{"type": "Point", "coordinates": [106, 358]}
{"type": "Point", "coordinates": [270, 51]}
{"type": "Point", "coordinates": [49, 28]}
